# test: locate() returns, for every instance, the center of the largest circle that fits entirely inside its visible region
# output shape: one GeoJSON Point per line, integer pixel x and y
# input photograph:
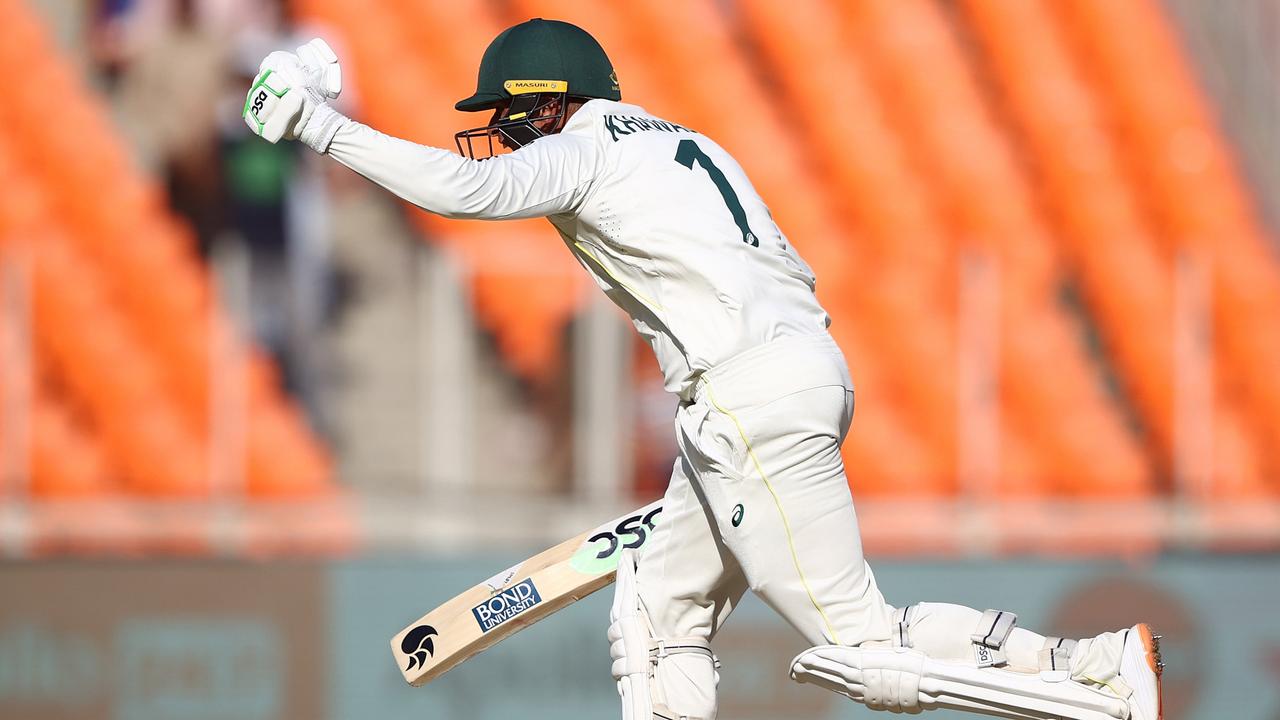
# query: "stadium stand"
{"type": "Point", "coordinates": [1060, 153]}
{"type": "Point", "coordinates": [124, 312]}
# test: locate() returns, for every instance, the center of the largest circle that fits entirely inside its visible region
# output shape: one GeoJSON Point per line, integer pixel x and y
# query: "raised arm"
{"type": "Point", "coordinates": [289, 100]}
{"type": "Point", "coordinates": [548, 177]}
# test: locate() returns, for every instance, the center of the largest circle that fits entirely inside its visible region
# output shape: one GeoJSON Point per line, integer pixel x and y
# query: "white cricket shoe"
{"type": "Point", "coordinates": [1140, 669]}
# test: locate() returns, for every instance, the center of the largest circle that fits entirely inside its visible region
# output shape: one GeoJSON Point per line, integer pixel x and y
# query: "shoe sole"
{"type": "Point", "coordinates": [1151, 643]}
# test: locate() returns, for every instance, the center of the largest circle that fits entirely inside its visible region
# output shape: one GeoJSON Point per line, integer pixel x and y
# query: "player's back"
{"type": "Point", "coordinates": [675, 233]}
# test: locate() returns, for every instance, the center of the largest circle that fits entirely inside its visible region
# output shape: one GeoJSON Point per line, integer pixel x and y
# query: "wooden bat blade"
{"type": "Point", "coordinates": [518, 597]}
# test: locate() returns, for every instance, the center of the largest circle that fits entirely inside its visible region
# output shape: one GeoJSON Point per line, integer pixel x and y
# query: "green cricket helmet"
{"type": "Point", "coordinates": [530, 72]}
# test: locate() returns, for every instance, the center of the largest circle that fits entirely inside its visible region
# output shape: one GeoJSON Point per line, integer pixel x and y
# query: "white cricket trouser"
{"type": "Point", "coordinates": [758, 498]}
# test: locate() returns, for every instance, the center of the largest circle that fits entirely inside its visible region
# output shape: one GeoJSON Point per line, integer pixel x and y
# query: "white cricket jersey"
{"type": "Point", "coordinates": [661, 216]}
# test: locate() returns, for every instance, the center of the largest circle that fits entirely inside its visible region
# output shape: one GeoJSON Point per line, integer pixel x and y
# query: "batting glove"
{"type": "Point", "coordinates": [289, 97]}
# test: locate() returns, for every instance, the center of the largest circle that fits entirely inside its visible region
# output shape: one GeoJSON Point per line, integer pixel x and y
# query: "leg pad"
{"type": "Point", "coordinates": [905, 680]}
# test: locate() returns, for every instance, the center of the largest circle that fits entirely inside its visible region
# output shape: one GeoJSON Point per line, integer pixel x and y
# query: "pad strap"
{"type": "Point", "coordinates": [1055, 658]}
{"type": "Point", "coordinates": [990, 636]}
{"type": "Point", "coordinates": [663, 702]}
{"type": "Point", "coordinates": [695, 645]}
{"type": "Point", "coordinates": [902, 618]}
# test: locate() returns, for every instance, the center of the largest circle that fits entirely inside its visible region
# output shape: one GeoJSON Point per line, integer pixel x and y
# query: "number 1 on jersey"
{"type": "Point", "coordinates": [687, 153]}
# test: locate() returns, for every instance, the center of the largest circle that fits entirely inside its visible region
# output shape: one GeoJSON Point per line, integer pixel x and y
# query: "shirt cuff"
{"type": "Point", "coordinates": [325, 122]}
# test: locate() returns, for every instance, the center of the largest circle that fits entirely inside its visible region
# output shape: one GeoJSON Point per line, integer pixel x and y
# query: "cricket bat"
{"type": "Point", "coordinates": [518, 597]}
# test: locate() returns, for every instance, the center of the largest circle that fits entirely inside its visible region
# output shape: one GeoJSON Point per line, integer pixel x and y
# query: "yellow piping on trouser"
{"type": "Point", "coordinates": [786, 525]}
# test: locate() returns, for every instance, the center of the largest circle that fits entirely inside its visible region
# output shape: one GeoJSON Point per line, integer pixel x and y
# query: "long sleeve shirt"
{"type": "Point", "coordinates": [663, 219]}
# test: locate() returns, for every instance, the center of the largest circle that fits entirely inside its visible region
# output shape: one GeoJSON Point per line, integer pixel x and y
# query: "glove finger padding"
{"type": "Point", "coordinates": [636, 704]}
{"type": "Point", "coordinates": [624, 663]}
{"type": "Point", "coordinates": [270, 109]}
{"type": "Point", "coordinates": [628, 633]}
{"type": "Point", "coordinates": [324, 74]}
{"type": "Point", "coordinates": [629, 643]}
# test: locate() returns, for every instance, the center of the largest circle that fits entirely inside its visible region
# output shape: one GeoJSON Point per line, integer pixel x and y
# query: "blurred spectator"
{"type": "Point", "coordinates": [108, 45]}
{"type": "Point", "coordinates": [185, 65]}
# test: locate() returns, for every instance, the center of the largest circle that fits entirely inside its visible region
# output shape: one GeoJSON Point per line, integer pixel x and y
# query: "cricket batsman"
{"type": "Point", "coordinates": [669, 226]}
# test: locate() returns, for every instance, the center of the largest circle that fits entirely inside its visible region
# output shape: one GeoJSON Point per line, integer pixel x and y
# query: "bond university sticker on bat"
{"type": "Point", "coordinates": [506, 604]}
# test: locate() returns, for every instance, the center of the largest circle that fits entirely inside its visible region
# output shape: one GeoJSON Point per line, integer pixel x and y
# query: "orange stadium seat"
{"type": "Point", "coordinates": [283, 462]}
{"type": "Point", "coordinates": [57, 456]}
{"type": "Point", "coordinates": [65, 461]}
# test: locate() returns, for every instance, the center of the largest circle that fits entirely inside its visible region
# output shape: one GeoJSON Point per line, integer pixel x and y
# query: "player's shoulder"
{"type": "Point", "coordinates": [611, 122]}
